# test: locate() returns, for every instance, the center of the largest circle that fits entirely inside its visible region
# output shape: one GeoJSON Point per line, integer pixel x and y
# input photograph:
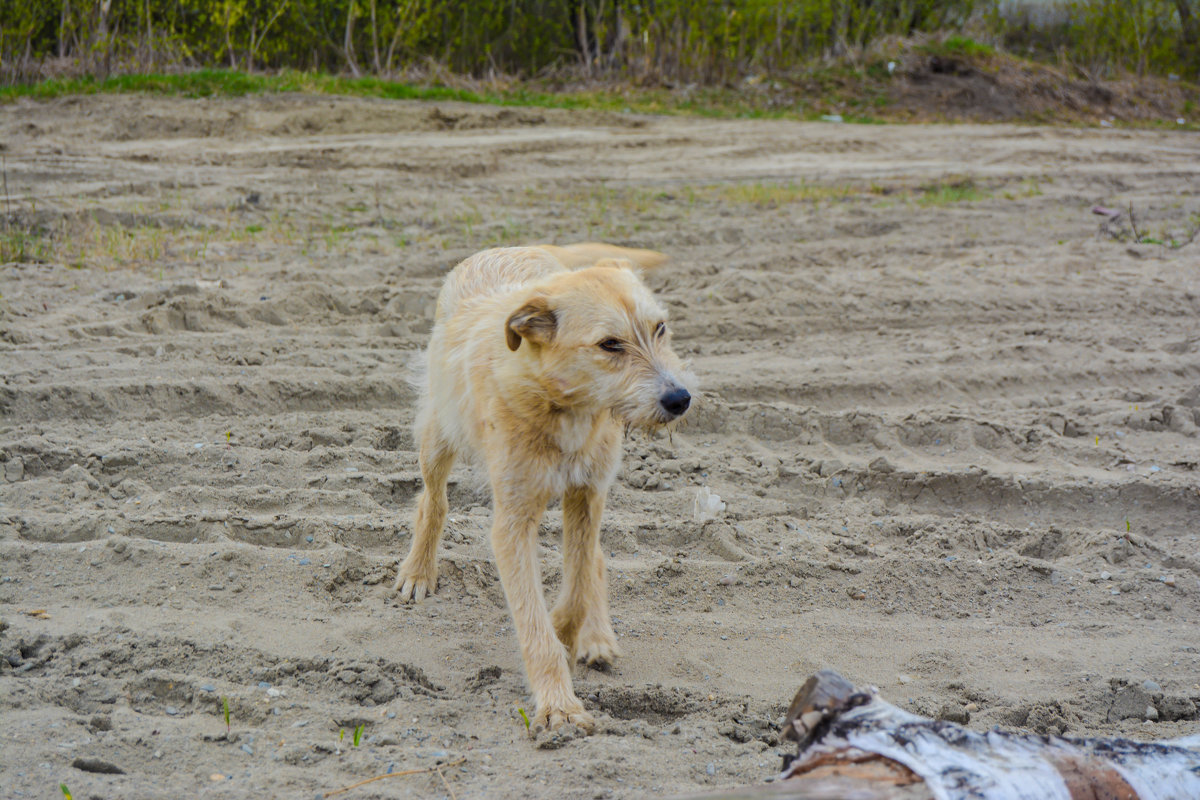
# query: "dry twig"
{"type": "Point", "coordinates": [446, 783]}
{"type": "Point", "coordinates": [435, 768]}
{"type": "Point", "coordinates": [1137, 237]}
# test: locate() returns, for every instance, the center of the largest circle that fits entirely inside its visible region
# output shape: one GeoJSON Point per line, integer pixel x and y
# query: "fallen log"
{"type": "Point", "coordinates": [854, 746]}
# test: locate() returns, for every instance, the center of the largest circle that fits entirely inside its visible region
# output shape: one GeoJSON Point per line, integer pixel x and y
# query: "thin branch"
{"type": "Point", "coordinates": [1137, 237]}
{"type": "Point", "coordinates": [7, 202]}
{"type": "Point", "coordinates": [1191, 238]}
{"type": "Point", "coordinates": [436, 768]}
{"type": "Point", "coordinates": [446, 783]}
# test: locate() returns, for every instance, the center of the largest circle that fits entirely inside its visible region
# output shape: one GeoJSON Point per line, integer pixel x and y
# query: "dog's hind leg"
{"type": "Point", "coordinates": [514, 542]}
{"type": "Point", "coordinates": [581, 616]}
{"type": "Point", "coordinates": [417, 576]}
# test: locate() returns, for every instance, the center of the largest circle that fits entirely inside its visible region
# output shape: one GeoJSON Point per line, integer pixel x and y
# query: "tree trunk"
{"type": "Point", "coordinates": [62, 29]}
{"type": "Point", "coordinates": [349, 41]}
{"type": "Point", "coordinates": [374, 40]}
{"type": "Point", "coordinates": [1191, 35]}
{"type": "Point", "coordinates": [582, 36]}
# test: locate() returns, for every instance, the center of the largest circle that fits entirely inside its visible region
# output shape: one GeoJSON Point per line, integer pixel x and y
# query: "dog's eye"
{"type": "Point", "coordinates": [612, 345]}
{"type": "Point", "coordinates": [660, 329]}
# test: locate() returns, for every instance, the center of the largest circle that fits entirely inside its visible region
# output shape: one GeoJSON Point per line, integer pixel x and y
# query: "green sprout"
{"type": "Point", "coordinates": [358, 732]}
{"type": "Point", "coordinates": [524, 716]}
{"type": "Point", "coordinates": [341, 734]}
{"type": "Point", "coordinates": [66, 792]}
{"type": "Point", "coordinates": [225, 705]}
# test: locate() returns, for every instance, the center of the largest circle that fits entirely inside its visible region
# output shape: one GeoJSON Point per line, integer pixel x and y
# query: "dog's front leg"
{"type": "Point", "coordinates": [417, 575]}
{"type": "Point", "coordinates": [514, 541]}
{"type": "Point", "coordinates": [581, 616]}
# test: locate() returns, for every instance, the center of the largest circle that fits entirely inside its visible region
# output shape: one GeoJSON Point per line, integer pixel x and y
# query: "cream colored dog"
{"type": "Point", "coordinates": [536, 370]}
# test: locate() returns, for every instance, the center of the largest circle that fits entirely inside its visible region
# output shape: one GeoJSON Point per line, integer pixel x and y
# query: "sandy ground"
{"type": "Point", "coordinates": [954, 425]}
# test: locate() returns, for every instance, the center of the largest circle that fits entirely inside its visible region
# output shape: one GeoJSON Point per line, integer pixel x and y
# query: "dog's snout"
{"type": "Point", "coordinates": [675, 401]}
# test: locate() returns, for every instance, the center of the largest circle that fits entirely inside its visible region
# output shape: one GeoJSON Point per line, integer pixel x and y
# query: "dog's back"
{"type": "Point", "coordinates": [494, 272]}
{"type": "Point", "coordinates": [505, 269]}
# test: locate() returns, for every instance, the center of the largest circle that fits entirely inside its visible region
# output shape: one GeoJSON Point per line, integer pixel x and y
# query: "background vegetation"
{"type": "Point", "coordinates": [650, 43]}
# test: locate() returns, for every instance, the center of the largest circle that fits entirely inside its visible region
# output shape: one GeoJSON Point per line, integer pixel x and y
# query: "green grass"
{"type": "Point", "coordinates": [766, 195]}
{"type": "Point", "coordinates": [710, 102]}
{"type": "Point", "coordinates": [233, 83]}
{"type": "Point", "coordinates": [857, 94]}
{"type": "Point", "coordinates": [23, 246]}
{"type": "Point", "coordinates": [943, 194]}
{"type": "Point", "coordinates": [961, 46]}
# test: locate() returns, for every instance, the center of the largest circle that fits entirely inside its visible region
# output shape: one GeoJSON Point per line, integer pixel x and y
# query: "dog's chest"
{"type": "Point", "coordinates": [574, 434]}
{"type": "Point", "coordinates": [584, 459]}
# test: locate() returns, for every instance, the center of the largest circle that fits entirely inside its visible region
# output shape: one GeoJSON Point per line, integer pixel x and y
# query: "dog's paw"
{"type": "Point", "coordinates": [597, 647]}
{"type": "Point", "coordinates": [415, 584]}
{"type": "Point", "coordinates": [554, 715]}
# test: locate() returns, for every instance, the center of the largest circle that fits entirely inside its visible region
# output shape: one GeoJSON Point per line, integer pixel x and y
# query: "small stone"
{"type": "Point", "coordinates": [97, 765]}
{"type": "Point", "coordinates": [172, 710]}
{"type": "Point", "coordinates": [216, 776]}
{"type": "Point", "coordinates": [830, 467]}
{"type": "Point", "coordinates": [953, 712]}
{"type": "Point", "coordinates": [727, 580]}
{"type": "Point", "coordinates": [1129, 703]}
{"type": "Point", "coordinates": [881, 464]}
{"type": "Point", "coordinates": [971, 707]}
{"type": "Point", "coordinates": [14, 470]}
{"type": "Point", "coordinates": [711, 769]}
{"type": "Point", "coordinates": [247, 749]}
{"type": "Point", "coordinates": [77, 474]}
{"type": "Point", "coordinates": [1176, 707]}
{"type": "Point", "coordinates": [903, 679]}
{"type": "Point", "coordinates": [1169, 580]}
{"type": "Point", "coordinates": [1106, 576]}
{"type": "Point", "coordinates": [1151, 713]}
{"type": "Point", "coordinates": [1151, 686]}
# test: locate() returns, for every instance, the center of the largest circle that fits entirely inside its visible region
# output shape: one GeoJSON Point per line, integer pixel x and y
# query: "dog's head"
{"type": "Point", "coordinates": [597, 338]}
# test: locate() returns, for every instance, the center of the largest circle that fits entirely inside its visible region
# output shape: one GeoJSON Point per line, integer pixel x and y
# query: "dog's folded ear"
{"type": "Point", "coordinates": [534, 320]}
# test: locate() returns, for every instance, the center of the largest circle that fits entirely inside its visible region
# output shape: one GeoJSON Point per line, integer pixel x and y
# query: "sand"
{"type": "Point", "coordinates": [954, 424]}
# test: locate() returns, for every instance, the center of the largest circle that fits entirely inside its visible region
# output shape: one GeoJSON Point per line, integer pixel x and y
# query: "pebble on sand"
{"type": "Point", "coordinates": [97, 765]}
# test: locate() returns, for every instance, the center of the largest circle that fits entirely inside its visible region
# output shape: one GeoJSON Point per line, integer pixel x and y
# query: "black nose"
{"type": "Point", "coordinates": [675, 402]}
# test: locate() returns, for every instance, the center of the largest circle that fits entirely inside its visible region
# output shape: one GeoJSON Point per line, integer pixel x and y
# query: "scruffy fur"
{"type": "Point", "coordinates": [535, 369]}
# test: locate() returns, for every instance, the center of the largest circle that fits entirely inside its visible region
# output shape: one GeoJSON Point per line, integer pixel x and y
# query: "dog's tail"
{"type": "Point", "coordinates": [585, 254]}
